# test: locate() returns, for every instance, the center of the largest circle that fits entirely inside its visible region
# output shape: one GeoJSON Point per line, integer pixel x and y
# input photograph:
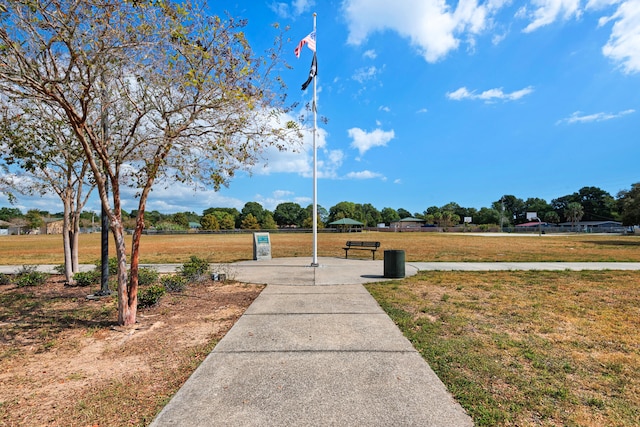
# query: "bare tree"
{"type": "Point", "coordinates": [183, 96]}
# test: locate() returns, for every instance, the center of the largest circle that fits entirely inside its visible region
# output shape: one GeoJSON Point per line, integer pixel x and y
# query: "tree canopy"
{"type": "Point", "coordinates": [154, 92]}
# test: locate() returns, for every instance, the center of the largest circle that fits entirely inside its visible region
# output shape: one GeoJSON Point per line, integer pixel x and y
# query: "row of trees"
{"type": "Point", "coordinates": [589, 204]}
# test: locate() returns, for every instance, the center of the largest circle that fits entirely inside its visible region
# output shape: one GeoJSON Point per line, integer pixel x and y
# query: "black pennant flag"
{"type": "Point", "coordinates": [312, 72]}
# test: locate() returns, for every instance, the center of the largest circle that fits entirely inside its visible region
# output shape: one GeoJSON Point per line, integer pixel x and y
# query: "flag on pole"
{"type": "Point", "coordinates": [310, 41]}
{"type": "Point", "coordinates": [312, 72]}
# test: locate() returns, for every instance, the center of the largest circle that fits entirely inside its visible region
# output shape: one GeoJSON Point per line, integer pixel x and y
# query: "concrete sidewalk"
{"type": "Point", "coordinates": [314, 349]}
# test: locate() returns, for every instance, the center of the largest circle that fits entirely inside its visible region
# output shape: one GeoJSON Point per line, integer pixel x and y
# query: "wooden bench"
{"type": "Point", "coordinates": [353, 244]}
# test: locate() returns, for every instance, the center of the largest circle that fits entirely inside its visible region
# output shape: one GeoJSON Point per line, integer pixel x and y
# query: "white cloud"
{"type": "Point", "coordinates": [489, 95]}
{"type": "Point", "coordinates": [371, 54]}
{"type": "Point", "coordinates": [437, 27]}
{"type": "Point", "coordinates": [430, 25]}
{"type": "Point", "coordinates": [547, 11]}
{"type": "Point", "coordinates": [281, 196]}
{"type": "Point", "coordinates": [365, 73]}
{"type": "Point", "coordinates": [624, 42]}
{"type": "Point", "coordinates": [579, 117]}
{"type": "Point", "coordinates": [365, 174]}
{"type": "Point", "coordinates": [384, 108]}
{"type": "Point", "coordinates": [363, 140]}
{"type": "Point", "coordinates": [293, 9]}
{"type": "Point", "coordinates": [422, 111]}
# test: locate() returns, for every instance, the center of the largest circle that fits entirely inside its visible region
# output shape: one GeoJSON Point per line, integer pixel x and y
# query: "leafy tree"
{"type": "Point", "coordinates": [7, 214]}
{"type": "Point", "coordinates": [226, 221]}
{"type": "Point", "coordinates": [268, 223]}
{"type": "Point", "coordinates": [551, 217]}
{"type": "Point", "coordinates": [573, 213]}
{"type": "Point", "coordinates": [389, 215]}
{"type": "Point", "coordinates": [186, 97]}
{"type": "Point", "coordinates": [343, 210]}
{"type": "Point", "coordinates": [487, 216]}
{"type": "Point", "coordinates": [512, 210]}
{"type": "Point", "coordinates": [537, 205]}
{"type": "Point", "coordinates": [235, 214]}
{"type": "Point", "coordinates": [629, 205]}
{"type": "Point", "coordinates": [180, 219]}
{"type": "Point", "coordinates": [369, 215]}
{"type": "Point", "coordinates": [209, 222]}
{"type": "Point", "coordinates": [322, 217]}
{"type": "Point", "coordinates": [598, 204]}
{"type": "Point", "coordinates": [255, 209]}
{"type": "Point", "coordinates": [250, 222]}
{"type": "Point", "coordinates": [403, 213]}
{"type": "Point", "coordinates": [34, 219]}
{"type": "Point", "coordinates": [289, 214]}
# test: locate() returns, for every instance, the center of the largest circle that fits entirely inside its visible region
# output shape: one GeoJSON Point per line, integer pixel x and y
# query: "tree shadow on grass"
{"type": "Point", "coordinates": [30, 319]}
{"type": "Point", "coordinates": [614, 242]}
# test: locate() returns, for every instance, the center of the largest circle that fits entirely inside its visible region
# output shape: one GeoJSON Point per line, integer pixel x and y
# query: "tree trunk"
{"type": "Point", "coordinates": [73, 240]}
{"type": "Point", "coordinates": [127, 293]}
{"type": "Point", "coordinates": [66, 242]}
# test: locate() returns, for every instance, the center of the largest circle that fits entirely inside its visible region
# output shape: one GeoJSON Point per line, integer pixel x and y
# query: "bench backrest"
{"type": "Point", "coordinates": [363, 244]}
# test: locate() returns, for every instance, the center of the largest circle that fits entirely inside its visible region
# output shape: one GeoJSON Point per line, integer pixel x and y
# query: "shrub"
{"type": "Point", "coordinates": [196, 269]}
{"type": "Point", "coordinates": [148, 297]}
{"type": "Point", "coordinates": [5, 279]}
{"type": "Point", "coordinates": [28, 276]}
{"type": "Point", "coordinates": [87, 278]}
{"type": "Point", "coordinates": [59, 268]}
{"type": "Point", "coordinates": [147, 276]}
{"type": "Point", "coordinates": [174, 283]}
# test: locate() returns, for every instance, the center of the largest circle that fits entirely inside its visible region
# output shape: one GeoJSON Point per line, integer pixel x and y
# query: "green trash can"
{"type": "Point", "coordinates": [394, 264]}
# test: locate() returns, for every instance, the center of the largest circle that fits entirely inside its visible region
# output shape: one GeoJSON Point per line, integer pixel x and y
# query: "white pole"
{"type": "Point", "coordinates": [314, 263]}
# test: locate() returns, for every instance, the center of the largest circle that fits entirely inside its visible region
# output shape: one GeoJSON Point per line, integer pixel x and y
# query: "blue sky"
{"type": "Point", "coordinates": [433, 101]}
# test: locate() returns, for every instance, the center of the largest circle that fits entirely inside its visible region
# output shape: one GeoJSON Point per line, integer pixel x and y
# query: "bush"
{"type": "Point", "coordinates": [28, 276]}
{"type": "Point", "coordinates": [195, 270]}
{"type": "Point", "coordinates": [147, 276]}
{"type": "Point", "coordinates": [87, 278]}
{"type": "Point", "coordinates": [174, 283]}
{"type": "Point", "coordinates": [113, 266]}
{"type": "Point", "coordinates": [5, 279]}
{"type": "Point", "coordinates": [148, 297]}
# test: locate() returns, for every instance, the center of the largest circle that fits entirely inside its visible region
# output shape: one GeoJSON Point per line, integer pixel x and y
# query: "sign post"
{"type": "Point", "coordinates": [261, 246]}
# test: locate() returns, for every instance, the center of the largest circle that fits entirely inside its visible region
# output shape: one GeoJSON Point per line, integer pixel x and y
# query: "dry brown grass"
{"type": "Point", "coordinates": [178, 248]}
{"type": "Point", "coordinates": [528, 348]}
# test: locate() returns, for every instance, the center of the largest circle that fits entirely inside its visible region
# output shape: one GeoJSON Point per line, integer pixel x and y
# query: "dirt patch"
{"type": "Point", "coordinates": [64, 361]}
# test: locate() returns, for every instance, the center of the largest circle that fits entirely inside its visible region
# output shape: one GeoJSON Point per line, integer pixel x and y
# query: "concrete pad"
{"type": "Point", "coordinates": [315, 303]}
{"type": "Point", "coordinates": [313, 389]}
{"type": "Point", "coordinates": [314, 332]}
{"type": "Point", "coordinates": [306, 289]}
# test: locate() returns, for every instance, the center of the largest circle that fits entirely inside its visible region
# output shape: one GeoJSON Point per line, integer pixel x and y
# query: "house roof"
{"type": "Point", "coordinates": [531, 224]}
{"type": "Point", "coordinates": [346, 221]}
{"type": "Point", "coordinates": [593, 223]}
{"type": "Point", "coordinates": [411, 219]}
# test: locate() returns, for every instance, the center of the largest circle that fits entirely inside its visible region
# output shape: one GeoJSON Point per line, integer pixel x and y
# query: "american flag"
{"type": "Point", "coordinates": [310, 41]}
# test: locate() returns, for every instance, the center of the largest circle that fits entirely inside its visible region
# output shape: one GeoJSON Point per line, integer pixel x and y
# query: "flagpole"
{"type": "Point", "coordinates": [314, 262]}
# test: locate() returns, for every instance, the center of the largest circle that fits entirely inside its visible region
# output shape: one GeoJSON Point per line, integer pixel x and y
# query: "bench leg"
{"type": "Point", "coordinates": [346, 252]}
{"type": "Point", "coordinates": [374, 255]}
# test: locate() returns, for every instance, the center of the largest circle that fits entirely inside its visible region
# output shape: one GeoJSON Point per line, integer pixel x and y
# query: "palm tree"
{"type": "Point", "coordinates": [574, 213]}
